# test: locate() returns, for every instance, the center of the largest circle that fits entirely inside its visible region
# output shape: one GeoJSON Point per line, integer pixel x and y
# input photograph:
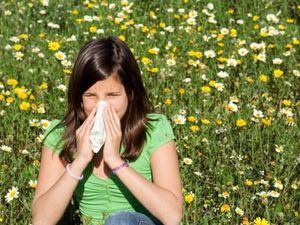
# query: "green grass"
{"type": "Point", "coordinates": [223, 159]}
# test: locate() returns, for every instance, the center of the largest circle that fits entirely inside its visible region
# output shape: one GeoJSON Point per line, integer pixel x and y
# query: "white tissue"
{"type": "Point", "coordinates": [97, 135]}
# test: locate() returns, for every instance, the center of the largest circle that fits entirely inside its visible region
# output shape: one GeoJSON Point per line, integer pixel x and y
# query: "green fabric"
{"type": "Point", "coordinates": [98, 197]}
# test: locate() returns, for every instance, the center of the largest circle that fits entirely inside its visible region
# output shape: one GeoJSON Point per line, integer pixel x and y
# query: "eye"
{"type": "Point", "coordinates": [88, 95]}
{"type": "Point", "coordinates": [113, 94]}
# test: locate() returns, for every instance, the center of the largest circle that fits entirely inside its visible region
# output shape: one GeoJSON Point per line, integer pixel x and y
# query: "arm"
{"type": "Point", "coordinates": [54, 189]}
{"type": "Point", "coordinates": [55, 186]}
{"type": "Point", "coordinates": [163, 198]}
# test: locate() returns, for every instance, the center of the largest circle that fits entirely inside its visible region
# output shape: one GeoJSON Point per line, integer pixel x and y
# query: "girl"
{"type": "Point", "coordinates": [134, 178]}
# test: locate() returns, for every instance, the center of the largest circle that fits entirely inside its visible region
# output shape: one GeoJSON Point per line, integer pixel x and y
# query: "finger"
{"type": "Point", "coordinates": [115, 120]}
{"type": "Point", "coordinates": [107, 122]}
{"type": "Point", "coordinates": [90, 117]}
{"type": "Point", "coordinates": [111, 118]}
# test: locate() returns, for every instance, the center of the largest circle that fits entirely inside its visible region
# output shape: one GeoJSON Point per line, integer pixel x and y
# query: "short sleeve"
{"type": "Point", "coordinates": [160, 133]}
{"type": "Point", "coordinates": [52, 136]}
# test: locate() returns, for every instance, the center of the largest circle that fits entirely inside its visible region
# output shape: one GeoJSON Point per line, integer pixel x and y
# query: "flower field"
{"type": "Point", "coordinates": [226, 74]}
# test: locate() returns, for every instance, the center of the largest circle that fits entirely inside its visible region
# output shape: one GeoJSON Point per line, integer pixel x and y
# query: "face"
{"type": "Point", "coordinates": [110, 90]}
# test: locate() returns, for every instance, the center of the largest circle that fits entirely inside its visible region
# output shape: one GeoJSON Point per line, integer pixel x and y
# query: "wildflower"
{"type": "Point", "coordinates": [225, 208]}
{"type": "Point", "coordinates": [5, 148]}
{"type": "Point", "coordinates": [60, 55]}
{"type": "Point", "coordinates": [187, 161]}
{"type": "Point", "coordinates": [263, 78]}
{"type": "Point", "coordinates": [266, 121]}
{"type": "Point", "coordinates": [258, 113]}
{"type": "Point", "coordinates": [243, 51]}
{"type": "Point", "coordinates": [179, 119]}
{"type": "Point", "coordinates": [153, 51]}
{"type": "Point", "coordinates": [259, 221]}
{"type": "Point", "coordinates": [209, 54]}
{"type": "Point", "coordinates": [192, 119]}
{"type": "Point", "coordinates": [232, 62]}
{"type": "Point", "coordinates": [239, 211]}
{"type": "Point", "coordinates": [12, 82]}
{"type": "Point", "coordinates": [194, 128]}
{"type": "Point", "coordinates": [53, 45]}
{"type": "Point", "coordinates": [248, 182]}
{"type": "Point", "coordinates": [168, 101]}
{"type": "Point", "coordinates": [231, 107]}
{"type": "Point", "coordinates": [189, 197]}
{"type": "Point", "coordinates": [45, 123]}
{"type": "Point", "coordinates": [24, 106]}
{"type": "Point", "coordinates": [287, 102]}
{"type": "Point", "coordinates": [62, 87]}
{"type": "Point", "coordinates": [18, 47]}
{"type": "Point", "coordinates": [222, 74]}
{"type": "Point", "coordinates": [245, 221]}
{"type": "Point", "coordinates": [146, 60]}
{"type": "Point", "coordinates": [241, 123]}
{"type": "Point", "coordinates": [205, 121]}
{"type": "Point", "coordinates": [205, 89]}
{"type": "Point", "coordinates": [278, 184]}
{"type": "Point", "coordinates": [278, 73]}
{"type": "Point", "coordinates": [171, 62]}
{"type": "Point", "coordinates": [279, 149]}
{"type": "Point", "coordinates": [32, 183]}
{"type": "Point", "coordinates": [225, 194]}
{"type": "Point", "coordinates": [277, 61]}
{"type": "Point", "coordinates": [19, 56]}
{"type": "Point", "coordinates": [274, 194]}
{"type": "Point", "coordinates": [11, 194]}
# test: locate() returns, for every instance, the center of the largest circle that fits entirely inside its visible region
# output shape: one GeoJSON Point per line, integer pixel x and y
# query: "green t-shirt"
{"type": "Point", "coordinates": [97, 197]}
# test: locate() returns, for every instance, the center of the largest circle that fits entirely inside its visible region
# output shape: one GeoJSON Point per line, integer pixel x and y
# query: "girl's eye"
{"type": "Point", "coordinates": [113, 94]}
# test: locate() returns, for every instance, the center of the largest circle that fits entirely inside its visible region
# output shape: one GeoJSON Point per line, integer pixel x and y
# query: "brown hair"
{"type": "Point", "coordinates": [97, 60]}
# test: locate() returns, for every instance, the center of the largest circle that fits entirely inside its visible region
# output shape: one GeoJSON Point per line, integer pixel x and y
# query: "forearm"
{"type": "Point", "coordinates": [162, 203]}
{"type": "Point", "coordinates": [50, 206]}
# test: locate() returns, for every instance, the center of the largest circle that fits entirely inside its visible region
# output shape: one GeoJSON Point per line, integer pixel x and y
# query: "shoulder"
{"type": "Point", "coordinates": [159, 131]}
{"type": "Point", "coordinates": [53, 134]}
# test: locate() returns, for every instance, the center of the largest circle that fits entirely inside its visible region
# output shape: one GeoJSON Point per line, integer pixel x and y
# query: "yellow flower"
{"type": "Point", "coordinates": [12, 82]}
{"type": "Point", "coordinates": [192, 119]}
{"type": "Point", "coordinates": [42, 35]}
{"type": "Point", "coordinates": [219, 122]}
{"type": "Point", "coordinates": [230, 11]}
{"type": "Point", "coordinates": [153, 51]}
{"type": "Point", "coordinates": [290, 20]}
{"type": "Point", "coordinates": [212, 83]}
{"type": "Point", "coordinates": [205, 121]}
{"type": "Point", "coordinates": [24, 36]}
{"type": "Point", "coordinates": [21, 92]}
{"type": "Point", "coordinates": [259, 221]}
{"type": "Point", "coordinates": [1, 97]}
{"type": "Point", "coordinates": [162, 25]}
{"type": "Point", "coordinates": [249, 182]}
{"type": "Point", "coordinates": [225, 208]}
{"type": "Point", "coordinates": [74, 12]}
{"type": "Point", "coordinates": [263, 78]}
{"type": "Point", "coordinates": [168, 101]}
{"type": "Point", "coordinates": [93, 29]}
{"type": "Point", "coordinates": [24, 106]}
{"type": "Point", "coordinates": [122, 37]}
{"type": "Point", "coordinates": [146, 60]}
{"type": "Point", "coordinates": [189, 197]}
{"type": "Point", "coordinates": [194, 128]}
{"type": "Point", "coordinates": [17, 47]}
{"type": "Point", "coordinates": [245, 221]}
{"type": "Point", "coordinates": [181, 91]}
{"type": "Point", "coordinates": [255, 17]}
{"type": "Point", "coordinates": [278, 73]}
{"type": "Point", "coordinates": [53, 45]}
{"type": "Point", "coordinates": [241, 123]}
{"type": "Point", "coordinates": [10, 100]}
{"type": "Point", "coordinates": [233, 32]}
{"type": "Point", "coordinates": [286, 102]}
{"type": "Point", "coordinates": [205, 89]}
{"type": "Point", "coordinates": [266, 121]}
{"type": "Point", "coordinates": [153, 70]}
{"type": "Point", "coordinates": [67, 71]}
{"type": "Point", "coordinates": [43, 86]}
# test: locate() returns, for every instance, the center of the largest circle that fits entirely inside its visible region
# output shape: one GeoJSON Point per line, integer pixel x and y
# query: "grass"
{"type": "Point", "coordinates": [223, 166]}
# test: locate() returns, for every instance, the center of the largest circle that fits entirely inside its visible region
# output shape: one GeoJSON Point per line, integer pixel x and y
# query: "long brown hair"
{"type": "Point", "coordinates": [97, 60]}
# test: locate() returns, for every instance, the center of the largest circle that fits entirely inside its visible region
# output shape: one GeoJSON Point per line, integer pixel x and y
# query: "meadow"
{"type": "Point", "coordinates": [226, 74]}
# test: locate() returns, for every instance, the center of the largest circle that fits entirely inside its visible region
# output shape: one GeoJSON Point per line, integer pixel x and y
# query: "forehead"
{"type": "Point", "coordinates": [113, 82]}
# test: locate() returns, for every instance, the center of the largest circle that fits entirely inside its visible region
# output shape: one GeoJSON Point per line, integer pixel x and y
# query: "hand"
{"type": "Point", "coordinates": [84, 150]}
{"type": "Point", "coordinates": [113, 138]}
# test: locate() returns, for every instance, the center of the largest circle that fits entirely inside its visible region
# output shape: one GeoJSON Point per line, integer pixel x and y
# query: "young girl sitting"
{"type": "Point", "coordinates": [134, 178]}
